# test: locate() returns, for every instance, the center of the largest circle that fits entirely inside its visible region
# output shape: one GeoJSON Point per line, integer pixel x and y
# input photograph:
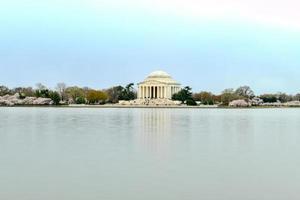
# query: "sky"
{"type": "Point", "coordinates": [208, 45]}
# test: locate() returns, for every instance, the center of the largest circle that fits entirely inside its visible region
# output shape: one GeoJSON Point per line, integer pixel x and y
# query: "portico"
{"type": "Point", "coordinates": [158, 85]}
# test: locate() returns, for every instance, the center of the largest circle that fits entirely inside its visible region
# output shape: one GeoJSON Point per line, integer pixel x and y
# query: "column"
{"type": "Point", "coordinates": [167, 92]}
{"type": "Point", "coordinates": [160, 92]}
{"type": "Point", "coordinates": [148, 92]}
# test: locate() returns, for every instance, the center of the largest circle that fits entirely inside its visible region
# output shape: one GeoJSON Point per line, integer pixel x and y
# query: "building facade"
{"type": "Point", "coordinates": [158, 85]}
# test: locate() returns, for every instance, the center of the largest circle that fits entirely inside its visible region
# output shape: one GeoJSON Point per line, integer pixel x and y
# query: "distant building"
{"type": "Point", "coordinates": [158, 85]}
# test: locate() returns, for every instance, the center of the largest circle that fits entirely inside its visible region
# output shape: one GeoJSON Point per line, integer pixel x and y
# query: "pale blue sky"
{"type": "Point", "coordinates": [100, 44]}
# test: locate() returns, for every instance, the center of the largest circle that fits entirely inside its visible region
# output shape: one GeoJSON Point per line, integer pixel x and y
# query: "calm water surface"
{"type": "Point", "coordinates": [149, 154]}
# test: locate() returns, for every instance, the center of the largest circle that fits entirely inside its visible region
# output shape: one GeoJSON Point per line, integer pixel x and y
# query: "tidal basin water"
{"type": "Point", "coordinates": [149, 154]}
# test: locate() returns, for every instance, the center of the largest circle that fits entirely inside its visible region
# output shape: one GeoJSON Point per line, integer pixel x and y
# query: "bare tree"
{"type": "Point", "coordinates": [245, 91]}
{"type": "Point", "coordinates": [40, 86]}
{"type": "Point", "coordinates": [61, 88]}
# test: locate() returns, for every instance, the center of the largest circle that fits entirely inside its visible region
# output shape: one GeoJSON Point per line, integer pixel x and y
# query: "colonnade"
{"type": "Point", "coordinates": [157, 92]}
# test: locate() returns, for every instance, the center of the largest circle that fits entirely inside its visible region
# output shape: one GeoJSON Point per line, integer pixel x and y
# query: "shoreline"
{"type": "Point", "coordinates": [145, 106]}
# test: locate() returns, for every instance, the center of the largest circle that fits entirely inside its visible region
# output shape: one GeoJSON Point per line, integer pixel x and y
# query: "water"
{"type": "Point", "coordinates": [149, 154]}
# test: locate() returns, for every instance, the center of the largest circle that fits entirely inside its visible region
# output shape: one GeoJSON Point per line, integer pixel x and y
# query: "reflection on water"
{"type": "Point", "coordinates": [133, 154]}
{"type": "Point", "coordinates": [154, 129]}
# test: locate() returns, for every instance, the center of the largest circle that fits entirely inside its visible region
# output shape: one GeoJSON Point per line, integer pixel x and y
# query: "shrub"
{"type": "Point", "coordinates": [80, 100]}
{"type": "Point", "coordinates": [55, 97]}
{"type": "Point", "coordinates": [191, 102]}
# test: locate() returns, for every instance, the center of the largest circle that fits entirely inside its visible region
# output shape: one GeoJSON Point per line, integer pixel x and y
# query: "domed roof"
{"type": "Point", "coordinates": [160, 74]}
{"type": "Point", "coordinates": [160, 77]}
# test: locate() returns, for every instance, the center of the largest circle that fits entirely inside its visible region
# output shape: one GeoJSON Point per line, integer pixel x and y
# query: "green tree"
{"type": "Point", "coordinates": [55, 97]}
{"type": "Point", "coordinates": [96, 97]}
{"type": "Point", "coordinates": [4, 90]}
{"type": "Point", "coordinates": [115, 94]}
{"type": "Point", "coordinates": [269, 98]}
{"type": "Point", "coordinates": [183, 95]}
{"type": "Point", "coordinates": [44, 93]}
{"type": "Point", "coordinates": [128, 93]}
{"type": "Point", "coordinates": [80, 100]}
{"type": "Point", "coordinates": [283, 97]}
{"type": "Point", "coordinates": [191, 102]}
{"type": "Point", "coordinates": [74, 93]}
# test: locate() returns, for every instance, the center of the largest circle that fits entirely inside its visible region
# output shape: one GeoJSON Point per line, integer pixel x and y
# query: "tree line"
{"type": "Point", "coordinates": [63, 94]}
{"type": "Point", "coordinates": [229, 95]}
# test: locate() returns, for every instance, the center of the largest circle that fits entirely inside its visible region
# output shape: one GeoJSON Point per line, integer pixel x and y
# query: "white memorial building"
{"type": "Point", "coordinates": [158, 85]}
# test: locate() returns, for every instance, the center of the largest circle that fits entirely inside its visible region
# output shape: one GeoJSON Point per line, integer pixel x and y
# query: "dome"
{"type": "Point", "coordinates": [159, 74]}
{"type": "Point", "coordinates": [161, 77]}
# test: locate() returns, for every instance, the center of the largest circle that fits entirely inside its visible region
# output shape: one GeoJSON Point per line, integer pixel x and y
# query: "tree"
{"type": "Point", "coordinates": [55, 97]}
{"type": "Point", "coordinates": [40, 86]}
{"type": "Point", "coordinates": [296, 97]}
{"type": "Point", "coordinates": [283, 98]}
{"type": "Point", "coordinates": [24, 92]}
{"type": "Point", "coordinates": [216, 98]}
{"type": "Point", "coordinates": [269, 98]}
{"type": "Point", "coordinates": [74, 93]}
{"type": "Point", "coordinates": [114, 94]}
{"type": "Point", "coordinates": [128, 93]}
{"type": "Point", "coordinates": [80, 100]}
{"type": "Point", "coordinates": [42, 91]}
{"type": "Point", "coordinates": [61, 88]}
{"type": "Point", "coordinates": [183, 95]}
{"type": "Point", "coordinates": [245, 91]}
{"type": "Point", "coordinates": [191, 102]}
{"type": "Point", "coordinates": [229, 95]}
{"type": "Point", "coordinates": [45, 93]}
{"type": "Point", "coordinates": [206, 98]}
{"type": "Point", "coordinates": [96, 97]}
{"type": "Point", "coordinates": [4, 90]}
